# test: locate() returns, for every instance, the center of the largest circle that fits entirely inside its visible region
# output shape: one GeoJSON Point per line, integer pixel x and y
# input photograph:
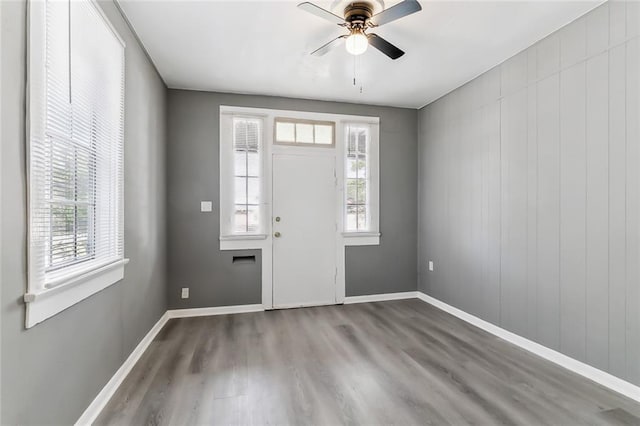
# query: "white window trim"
{"type": "Point", "coordinates": [82, 282]}
{"type": "Point", "coordinates": [47, 303]}
{"type": "Point", "coordinates": [226, 179]}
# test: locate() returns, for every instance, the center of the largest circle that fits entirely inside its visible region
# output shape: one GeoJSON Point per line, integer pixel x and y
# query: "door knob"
{"type": "Point", "coordinates": [277, 235]}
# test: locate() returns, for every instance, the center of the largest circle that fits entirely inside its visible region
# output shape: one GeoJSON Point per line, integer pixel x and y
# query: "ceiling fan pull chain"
{"type": "Point", "coordinates": [354, 70]}
{"type": "Point", "coordinates": [356, 66]}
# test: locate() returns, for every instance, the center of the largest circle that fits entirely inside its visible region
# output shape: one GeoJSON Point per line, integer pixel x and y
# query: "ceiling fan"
{"type": "Point", "coordinates": [358, 18]}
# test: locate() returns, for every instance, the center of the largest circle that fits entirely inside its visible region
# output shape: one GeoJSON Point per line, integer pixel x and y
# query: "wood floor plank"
{"type": "Point", "coordinates": [398, 362]}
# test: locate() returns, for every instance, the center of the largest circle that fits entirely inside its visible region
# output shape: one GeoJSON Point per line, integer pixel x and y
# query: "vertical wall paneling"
{"type": "Point", "coordinates": [633, 19]}
{"type": "Point", "coordinates": [572, 211]}
{"type": "Point", "coordinates": [617, 21]}
{"type": "Point", "coordinates": [483, 135]}
{"type": "Point", "coordinates": [597, 31]}
{"type": "Point", "coordinates": [464, 283]}
{"type": "Point", "coordinates": [536, 204]}
{"type": "Point", "coordinates": [617, 212]}
{"type": "Point", "coordinates": [532, 214]}
{"type": "Point", "coordinates": [477, 159]}
{"type": "Point", "coordinates": [514, 210]}
{"type": "Point", "coordinates": [491, 92]}
{"type": "Point", "coordinates": [597, 218]}
{"type": "Point", "coordinates": [548, 188]}
{"type": "Point", "coordinates": [548, 53]}
{"type": "Point", "coordinates": [453, 261]}
{"type": "Point", "coordinates": [633, 203]}
{"type": "Point", "coordinates": [573, 42]}
{"type": "Point", "coordinates": [492, 296]}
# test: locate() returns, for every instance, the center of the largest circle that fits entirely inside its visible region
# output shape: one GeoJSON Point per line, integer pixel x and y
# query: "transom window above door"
{"type": "Point", "coordinates": [291, 131]}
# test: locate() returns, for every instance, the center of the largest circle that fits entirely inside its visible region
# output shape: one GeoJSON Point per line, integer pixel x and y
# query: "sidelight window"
{"type": "Point", "coordinates": [246, 160]}
{"type": "Point", "coordinates": [357, 178]}
{"type": "Point", "coordinates": [242, 194]}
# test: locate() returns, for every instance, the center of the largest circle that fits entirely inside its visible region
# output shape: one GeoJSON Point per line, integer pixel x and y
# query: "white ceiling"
{"type": "Point", "coordinates": [262, 47]}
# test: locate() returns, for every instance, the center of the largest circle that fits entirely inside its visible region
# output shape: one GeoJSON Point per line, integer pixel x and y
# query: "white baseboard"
{"type": "Point", "coordinates": [100, 401]}
{"type": "Point", "coordinates": [380, 297]}
{"type": "Point", "coordinates": [218, 310]}
{"type": "Point", "coordinates": [601, 377]}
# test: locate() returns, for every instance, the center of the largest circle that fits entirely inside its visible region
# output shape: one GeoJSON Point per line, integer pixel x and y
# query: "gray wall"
{"type": "Point", "coordinates": [530, 193]}
{"type": "Point", "coordinates": [51, 372]}
{"type": "Point", "coordinates": [195, 259]}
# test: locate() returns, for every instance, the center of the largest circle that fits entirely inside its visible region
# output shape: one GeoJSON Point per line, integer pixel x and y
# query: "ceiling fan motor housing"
{"type": "Point", "coordinates": [356, 14]}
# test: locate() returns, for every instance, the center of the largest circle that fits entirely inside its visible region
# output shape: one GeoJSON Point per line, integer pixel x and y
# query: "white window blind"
{"type": "Point", "coordinates": [76, 142]}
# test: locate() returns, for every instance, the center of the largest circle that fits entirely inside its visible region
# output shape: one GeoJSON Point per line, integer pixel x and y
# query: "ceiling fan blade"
{"type": "Point", "coordinates": [400, 10]}
{"type": "Point", "coordinates": [322, 13]}
{"type": "Point", "coordinates": [327, 47]}
{"type": "Point", "coordinates": [384, 46]}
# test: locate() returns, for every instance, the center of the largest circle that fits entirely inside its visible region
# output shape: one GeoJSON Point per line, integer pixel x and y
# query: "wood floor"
{"type": "Point", "coordinates": [399, 362]}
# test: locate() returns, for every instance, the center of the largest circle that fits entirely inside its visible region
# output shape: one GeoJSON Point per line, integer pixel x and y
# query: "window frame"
{"type": "Point", "coordinates": [366, 179]}
{"type": "Point", "coordinates": [295, 121]}
{"type": "Point", "coordinates": [370, 235]}
{"type": "Point", "coordinates": [228, 176]}
{"type": "Point", "coordinates": [70, 283]}
{"type": "Point", "coordinates": [247, 176]}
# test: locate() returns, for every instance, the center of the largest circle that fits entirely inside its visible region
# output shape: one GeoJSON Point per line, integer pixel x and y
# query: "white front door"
{"type": "Point", "coordinates": [304, 229]}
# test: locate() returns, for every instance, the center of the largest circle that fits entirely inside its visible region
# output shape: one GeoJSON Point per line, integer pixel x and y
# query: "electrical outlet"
{"type": "Point", "coordinates": [185, 292]}
{"type": "Point", "coordinates": [431, 265]}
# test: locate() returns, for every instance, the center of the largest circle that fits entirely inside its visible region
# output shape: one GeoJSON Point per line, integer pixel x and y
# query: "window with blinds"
{"type": "Point", "coordinates": [76, 80]}
{"type": "Point", "coordinates": [246, 160]}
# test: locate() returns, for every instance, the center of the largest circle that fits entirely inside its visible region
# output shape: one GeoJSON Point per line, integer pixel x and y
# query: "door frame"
{"type": "Point", "coordinates": [264, 242]}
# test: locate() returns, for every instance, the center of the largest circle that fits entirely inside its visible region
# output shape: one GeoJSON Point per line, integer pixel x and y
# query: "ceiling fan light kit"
{"type": "Point", "coordinates": [357, 42]}
{"type": "Point", "coordinates": [358, 18]}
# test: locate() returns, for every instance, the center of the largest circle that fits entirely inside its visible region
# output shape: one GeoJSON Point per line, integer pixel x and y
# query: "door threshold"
{"type": "Point", "coordinates": [305, 305]}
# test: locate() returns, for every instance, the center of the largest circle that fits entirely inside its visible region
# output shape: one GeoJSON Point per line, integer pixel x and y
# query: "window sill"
{"type": "Point", "coordinates": [243, 242]}
{"type": "Point", "coordinates": [361, 238]}
{"type": "Point", "coordinates": [243, 237]}
{"type": "Point", "coordinates": [49, 302]}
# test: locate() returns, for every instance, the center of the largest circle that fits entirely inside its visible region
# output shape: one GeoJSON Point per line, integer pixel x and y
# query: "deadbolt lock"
{"type": "Point", "coordinates": [277, 218]}
{"type": "Point", "coordinates": [277, 235]}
